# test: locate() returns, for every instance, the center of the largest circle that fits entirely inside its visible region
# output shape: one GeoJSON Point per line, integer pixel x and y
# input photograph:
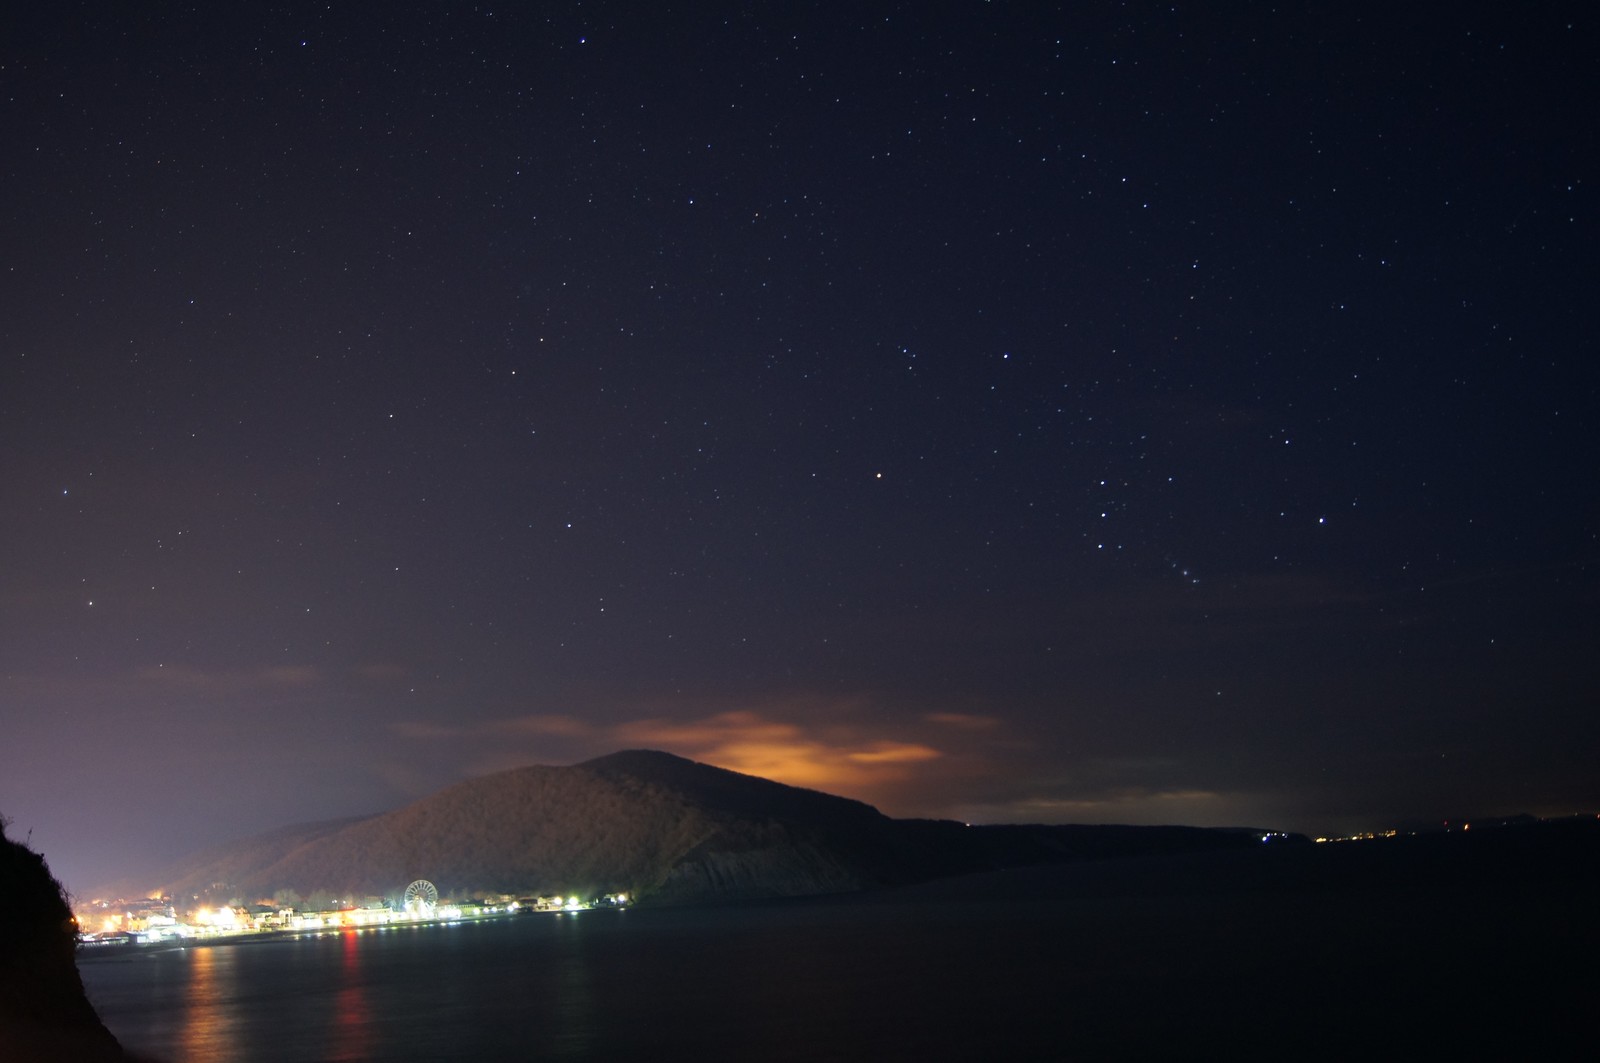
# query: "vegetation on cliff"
{"type": "Point", "coordinates": [44, 1014]}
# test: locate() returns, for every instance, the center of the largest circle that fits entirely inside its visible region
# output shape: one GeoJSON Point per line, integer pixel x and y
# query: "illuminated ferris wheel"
{"type": "Point", "coordinates": [421, 896]}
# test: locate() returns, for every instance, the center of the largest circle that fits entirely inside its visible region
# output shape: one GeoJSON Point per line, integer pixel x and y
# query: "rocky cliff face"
{"type": "Point", "coordinates": [44, 1013]}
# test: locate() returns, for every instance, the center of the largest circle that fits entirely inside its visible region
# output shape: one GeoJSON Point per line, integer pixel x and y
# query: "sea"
{"type": "Point", "coordinates": [1165, 965]}
{"type": "Point", "coordinates": [826, 978]}
{"type": "Point", "coordinates": [781, 980]}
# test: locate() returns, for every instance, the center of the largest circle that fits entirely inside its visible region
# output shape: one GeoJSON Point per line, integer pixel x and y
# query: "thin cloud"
{"type": "Point", "coordinates": [381, 673]}
{"type": "Point", "coordinates": [549, 724]}
{"type": "Point", "coordinates": [963, 720]}
{"type": "Point", "coordinates": [1131, 805]}
{"type": "Point", "coordinates": [427, 731]}
{"type": "Point", "coordinates": [230, 680]}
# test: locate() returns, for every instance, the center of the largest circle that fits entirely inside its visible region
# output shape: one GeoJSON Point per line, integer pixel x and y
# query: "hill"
{"type": "Point", "coordinates": [647, 823]}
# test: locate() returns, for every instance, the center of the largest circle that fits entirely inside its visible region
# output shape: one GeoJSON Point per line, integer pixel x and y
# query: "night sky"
{"type": "Point", "coordinates": [998, 411]}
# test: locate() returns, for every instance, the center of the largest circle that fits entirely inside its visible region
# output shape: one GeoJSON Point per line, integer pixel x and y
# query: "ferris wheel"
{"type": "Point", "coordinates": [421, 895]}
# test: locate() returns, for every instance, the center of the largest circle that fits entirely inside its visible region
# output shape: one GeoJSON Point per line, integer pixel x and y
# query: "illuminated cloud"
{"type": "Point", "coordinates": [824, 747]}
{"type": "Point", "coordinates": [894, 752]}
{"type": "Point", "coordinates": [836, 755]}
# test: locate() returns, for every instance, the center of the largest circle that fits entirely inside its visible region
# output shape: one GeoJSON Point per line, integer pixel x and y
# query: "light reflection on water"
{"type": "Point", "coordinates": [1061, 967]}
{"type": "Point", "coordinates": [490, 990]}
{"type": "Point", "coordinates": [352, 1017]}
{"type": "Point", "coordinates": [209, 1016]}
{"type": "Point", "coordinates": [780, 982]}
{"type": "Point", "coordinates": [574, 1008]}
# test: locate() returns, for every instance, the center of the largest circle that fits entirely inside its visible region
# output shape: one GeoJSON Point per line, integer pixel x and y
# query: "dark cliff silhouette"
{"type": "Point", "coordinates": [44, 1013]}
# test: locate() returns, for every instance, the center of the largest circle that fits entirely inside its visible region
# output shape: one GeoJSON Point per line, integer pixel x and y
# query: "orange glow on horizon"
{"type": "Point", "coordinates": [837, 758]}
{"type": "Point", "coordinates": [838, 745]}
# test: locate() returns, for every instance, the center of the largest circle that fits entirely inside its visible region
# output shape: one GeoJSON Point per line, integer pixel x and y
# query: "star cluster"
{"type": "Point", "coordinates": [998, 411]}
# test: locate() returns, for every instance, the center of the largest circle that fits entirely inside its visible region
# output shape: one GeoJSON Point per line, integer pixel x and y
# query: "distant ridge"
{"type": "Point", "coordinates": [727, 791]}
{"type": "Point", "coordinates": [657, 826]}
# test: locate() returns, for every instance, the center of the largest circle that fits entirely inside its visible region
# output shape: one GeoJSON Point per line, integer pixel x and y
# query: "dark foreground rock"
{"type": "Point", "coordinates": [44, 1014]}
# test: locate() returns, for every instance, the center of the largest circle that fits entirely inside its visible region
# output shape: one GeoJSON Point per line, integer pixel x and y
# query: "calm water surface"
{"type": "Point", "coordinates": [1172, 967]}
{"type": "Point", "coordinates": [812, 980]}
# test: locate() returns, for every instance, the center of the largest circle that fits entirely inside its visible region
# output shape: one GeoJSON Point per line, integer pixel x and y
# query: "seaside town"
{"type": "Point", "coordinates": [167, 920]}
{"type": "Point", "coordinates": [164, 920]}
